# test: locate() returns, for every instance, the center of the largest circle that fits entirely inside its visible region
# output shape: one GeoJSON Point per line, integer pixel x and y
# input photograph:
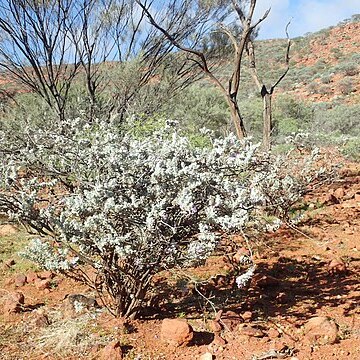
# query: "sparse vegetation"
{"type": "Point", "coordinates": [10, 245]}
{"type": "Point", "coordinates": [125, 177]}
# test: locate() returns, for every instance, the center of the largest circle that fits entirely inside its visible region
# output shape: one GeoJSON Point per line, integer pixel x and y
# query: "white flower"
{"type": "Point", "coordinates": [243, 279]}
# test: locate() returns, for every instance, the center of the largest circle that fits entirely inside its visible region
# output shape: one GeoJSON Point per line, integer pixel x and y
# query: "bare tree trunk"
{"type": "Point", "coordinates": [231, 90]}
{"type": "Point", "coordinates": [265, 93]}
{"type": "Point", "coordinates": [267, 117]}
{"type": "Point", "coordinates": [236, 118]}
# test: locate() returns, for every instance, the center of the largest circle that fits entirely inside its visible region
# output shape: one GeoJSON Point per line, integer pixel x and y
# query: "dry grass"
{"type": "Point", "coordinates": [64, 337]}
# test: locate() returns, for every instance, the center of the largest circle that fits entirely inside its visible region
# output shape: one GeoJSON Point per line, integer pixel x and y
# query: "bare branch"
{"type": "Point", "coordinates": [252, 64]}
{"type": "Point", "coordinates": [239, 11]}
{"type": "Point", "coordinates": [231, 36]}
{"type": "Point", "coordinates": [287, 58]}
{"type": "Point", "coordinates": [266, 14]}
{"type": "Point", "coordinates": [171, 38]}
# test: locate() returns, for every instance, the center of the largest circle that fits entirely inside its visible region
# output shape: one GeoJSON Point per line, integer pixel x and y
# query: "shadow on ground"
{"type": "Point", "coordinates": [289, 287]}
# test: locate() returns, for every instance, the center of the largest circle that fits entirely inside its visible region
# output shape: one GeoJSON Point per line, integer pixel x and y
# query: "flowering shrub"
{"type": "Point", "coordinates": [113, 210]}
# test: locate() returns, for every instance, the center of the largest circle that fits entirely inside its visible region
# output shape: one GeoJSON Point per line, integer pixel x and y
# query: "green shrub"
{"type": "Point", "coordinates": [326, 79]}
{"type": "Point", "coordinates": [287, 126]}
{"type": "Point", "coordinates": [349, 68]}
{"type": "Point", "coordinates": [313, 87]}
{"type": "Point", "coordinates": [342, 119]}
{"type": "Point", "coordinates": [324, 90]}
{"type": "Point", "coordinates": [337, 54]}
{"type": "Point", "coordinates": [346, 86]}
{"type": "Point", "coordinates": [197, 107]}
{"type": "Point", "coordinates": [293, 108]}
{"type": "Point", "coordinates": [252, 111]}
{"type": "Point", "coordinates": [291, 116]}
{"type": "Point", "coordinates": [351, 149]}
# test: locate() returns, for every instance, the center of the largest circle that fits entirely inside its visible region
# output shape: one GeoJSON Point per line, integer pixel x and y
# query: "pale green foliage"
{"type": "Point", "coordinates": [337, 120]}
{"type": "Point", "coordinates": [351, 148]}
{"type": "Point", "coordinates": [200, 106]}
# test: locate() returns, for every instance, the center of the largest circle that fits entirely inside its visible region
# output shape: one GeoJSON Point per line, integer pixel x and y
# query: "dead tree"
{"type": "Point", "coordinates": [209, 16]}
{"type": "Point", "coordinates": [266, 92]}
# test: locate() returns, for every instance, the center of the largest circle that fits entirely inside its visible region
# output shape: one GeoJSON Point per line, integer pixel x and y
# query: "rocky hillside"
{"type": "Point", "coordinates": [325, 66]}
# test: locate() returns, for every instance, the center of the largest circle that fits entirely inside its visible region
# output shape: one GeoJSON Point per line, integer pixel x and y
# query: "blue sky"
{"type": "Point", "coordinates": [306, 15]}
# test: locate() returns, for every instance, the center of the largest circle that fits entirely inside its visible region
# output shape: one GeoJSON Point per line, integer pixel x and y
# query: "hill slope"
{"type": "Point", "coordinates": [325, 66]}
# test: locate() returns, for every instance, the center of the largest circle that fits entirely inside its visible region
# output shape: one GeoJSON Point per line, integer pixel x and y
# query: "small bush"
{"type": "Point", "coordinates": [114, 210]}
{"type": "Point", "coordinates": [326, 79]}
{"type": "Point", "coordinates": [324, 90]}
{"type": "Point", "coordinates": [292, 115]}
{"type": "Point", "coordinates": [346, 86]}
{"type": "Point", "coordinates": [351, 149]}
{"type": "Point", "coordinates": [200, 106]}
{"type": "Point", "coordinates": [341, 119]}
{"type": "Point", "coordinates": [252, 111]}
{"type": "Point", "coordinates": [287, 126]}
{"type": "Point", "coordinates": [348, 68]}
{"type": "Point", "coordinates": [337, 53]}
{"type": "Point", "coordinates": [313, 87]}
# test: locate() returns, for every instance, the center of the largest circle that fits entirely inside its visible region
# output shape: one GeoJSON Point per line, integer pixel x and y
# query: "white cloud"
{"type": "Point", "coordinates": [306, 15]}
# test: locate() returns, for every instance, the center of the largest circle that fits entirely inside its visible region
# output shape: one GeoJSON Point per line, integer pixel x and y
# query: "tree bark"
{"type": "Point", "coordinates": [267, 116]}
{"type": "Point", "coordinates": [236, 118]}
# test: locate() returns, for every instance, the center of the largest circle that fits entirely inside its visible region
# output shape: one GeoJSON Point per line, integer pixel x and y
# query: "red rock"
{"type": "Point", "coordinates": [250, 331]}
{"type": "Point", "coordinates": [31, 277]}
{"type": "Point", "coordinates": [231, 320]}
{"type": "Point", "coordinates": [237, 258]}
{"type": "Point", "coordinates": [267, 281]}
{"type": "Point", "coordinates": [7, 229]}
{"type": "Point", "coordinates": [14, 303]}
{"type": "Point", "coordinates": [94, 351]}
{"type": "Point", "coordinates": [273, 333]}
{"type": "Point", "coordinates": [9, 307]}
{"type": "Point", "coordinates": [282, 298]}
{"type": "Point", "coordinates": [41, 320]}
{"type": "Point", "coordinates": [349, 196]}
{"type": "Point", "coordinates": [357, 197]}
{"type": "Point", "coordinates": [9, 281]}
{"type": "Point", "coordinates": [176, 332]}
{"type": "Point", "coordinates": [18, 297]}
{"type": "Point", "coordinates": [42, 284]}
{"type": "Point", "coordinates": [247, 316]}
{"type": "Point", "coordinates": [45, 275]}
{"type": "Point", "coordinates": [215, 326]}
{"type": "Point", "coordinates": [336, 266]}
{"type": "Point", "coordinates": [331, 199]}
{"type": "Point", "coordinates": [20, 280]}
{"type": "Point", "coordinates": [112, 351]}
{"type": "Point", "coordinates": [339, 193]}
{"type": "Point", "coordinates": [218, 340]}
{"type": "Point", "coordinates": [228, 268]}
{"type": "Point", "coordinates": [321, 330]}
